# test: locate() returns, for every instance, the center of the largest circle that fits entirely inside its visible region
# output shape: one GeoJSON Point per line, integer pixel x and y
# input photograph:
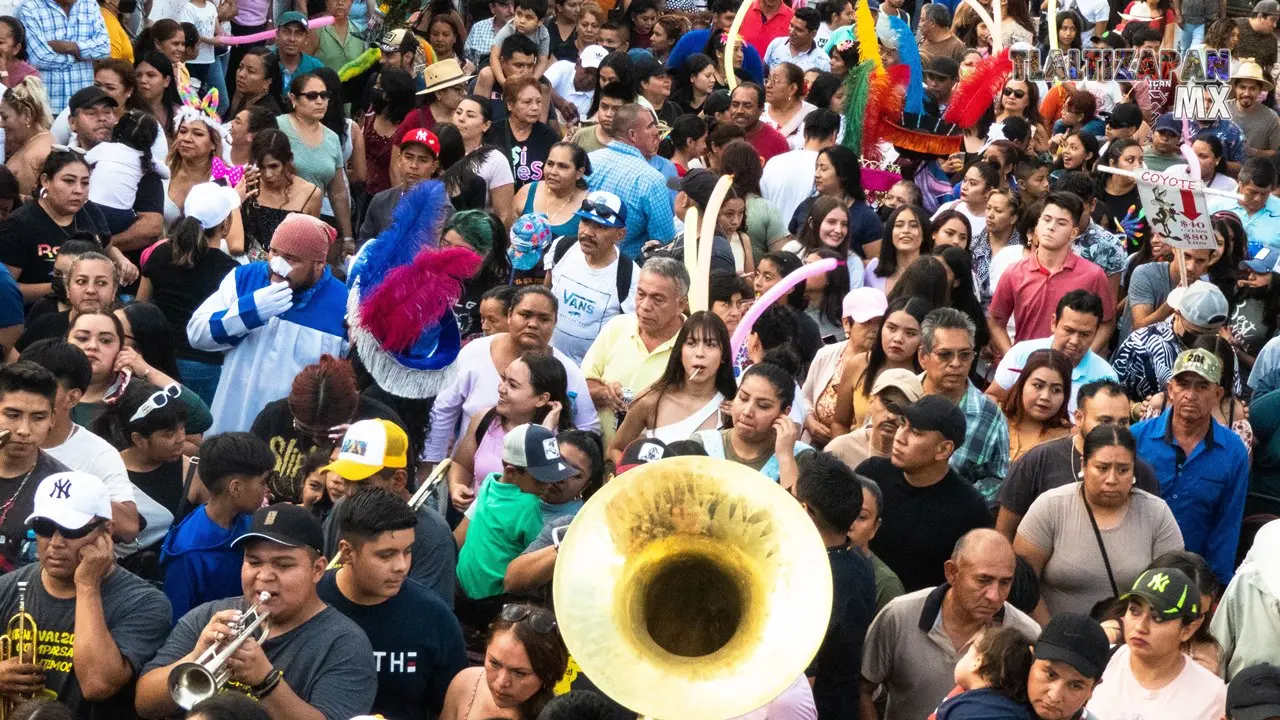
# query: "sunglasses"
{"type": "Point", "coordinates": [46, 528]}
{"type": "Point", "coordinates": [1015, 93]}
{"type": "Point", "coordinates": [157, 400]}
{"type": "Point", "coordinates": [540, 620]}
{"type": "Point", "coordinates": [946, 357]}
{"type": "Point", "coordinates": [599, 209]}
{"type": "Point", "coordinates": [315, 95]}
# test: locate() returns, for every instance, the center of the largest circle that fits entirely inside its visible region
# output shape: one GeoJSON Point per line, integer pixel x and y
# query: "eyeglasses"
{"type": "Point", "coordinates": [946, 357]}
{"type": "Point", "coordinates": [599, 209]}
{"type": "Point", "coordinates": [46, 528]}
{"type": "Point", "coordinates": [157, 400]}
{"type": "Point", "coordinates": [540, 620]}
{"type": "Point", "coordinates": [1015, 93]}
{"type": "Point", "coordinates": [315, 95]}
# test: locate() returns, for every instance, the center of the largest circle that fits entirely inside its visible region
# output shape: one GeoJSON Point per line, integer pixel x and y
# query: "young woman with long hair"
{"type": "Point", "coordinates": [1036, 406]}
{"type": "Point", "coordinates": [481, 232]}
{"type": "Point", "coordinates": [688, 396]}
{"type": "Point", "coordinates": [272, 189]}
{"type": "Point", "coordinates": [158, 89]}
{"type": "Point", "coordinates": [393, 96]}
{"type": "Point", "coordinates": [895, 346]}
{"type": "Point", "coordinates": [907, 235]}
{"type": "Point", "coordinates": [259, 81]}
{"type": "Point", "coordinates": [533, 390]}
{"type": "Point", "coordinates": [694, 81]}
{"type": "Point", "coordinates": [482, 179]}
{"type": "Point", "coordinates": [825, 295]}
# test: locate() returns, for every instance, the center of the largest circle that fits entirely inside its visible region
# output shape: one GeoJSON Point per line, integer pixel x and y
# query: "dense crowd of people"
{"type": "Point", "coordinates": [334, 314]}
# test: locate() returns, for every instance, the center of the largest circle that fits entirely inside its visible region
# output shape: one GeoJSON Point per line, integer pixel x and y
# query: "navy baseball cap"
{"type": "Point", "coordinates": [603, 208]}
{"type": "Point", "coordinates": [534, 448]}
{"type": "Point", "coordinates": [934, 412]}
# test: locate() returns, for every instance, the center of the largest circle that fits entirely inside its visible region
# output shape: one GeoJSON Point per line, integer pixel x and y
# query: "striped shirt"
{"type": "Point", "coordinates": [480, 42]}
{"type": "Point", "coordinates": [1144, 361]}
{"type": "Point", "coordinates": [46, 21]}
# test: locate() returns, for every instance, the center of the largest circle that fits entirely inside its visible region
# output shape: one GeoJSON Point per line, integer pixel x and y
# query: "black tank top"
{"type": "Point", "coordinates": [164, 485]}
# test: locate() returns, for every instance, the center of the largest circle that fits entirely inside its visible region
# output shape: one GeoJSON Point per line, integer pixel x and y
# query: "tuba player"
{"type": "Point", "coordinates": [314, 663]}
{"type": "Point", "coordinates": [97, 623]}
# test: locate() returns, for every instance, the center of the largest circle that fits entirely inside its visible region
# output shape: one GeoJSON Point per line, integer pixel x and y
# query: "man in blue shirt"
{"type": "Point", "coordinates": [1203, 466]}
{"type": "Point", "coordinates": [1259, 211]}
{"type": "Point", "coordinates": [621, 168]}
{"type": "Point", "coordinates": [290, 33]}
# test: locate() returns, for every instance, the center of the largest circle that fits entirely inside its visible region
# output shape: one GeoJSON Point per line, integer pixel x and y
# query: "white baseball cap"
{"type": "Point", "coordinates": [592, 55]}
{"type": "Point", "coordinates": [368, 446]}
{"type": "Point", "coordinates": [71, 500]}
{"type": "Point", "coordinates": [864, 303]}
{"type": "Point", "coordinates": [210, 204]}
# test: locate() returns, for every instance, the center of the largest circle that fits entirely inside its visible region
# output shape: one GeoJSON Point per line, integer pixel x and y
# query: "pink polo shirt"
{"type": "Point", "coordinates": [1029, 294]}
{"type": "Point", "coordinates": [759, 31]}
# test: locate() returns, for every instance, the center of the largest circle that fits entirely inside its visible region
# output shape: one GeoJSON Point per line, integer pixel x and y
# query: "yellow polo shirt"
{"type": "Point", "coordinates": [619, 355]}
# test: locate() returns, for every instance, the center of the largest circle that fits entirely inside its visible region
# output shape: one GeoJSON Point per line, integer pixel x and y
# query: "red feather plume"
{"type": "Point", "coordinates": [417, 295]}
{"type": "Point", "coordinates": [885, 101]}
{"type": "Point", "coordinates": [975, 94]}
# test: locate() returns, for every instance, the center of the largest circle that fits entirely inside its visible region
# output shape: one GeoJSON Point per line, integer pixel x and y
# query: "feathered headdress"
{"type": "Point", "coordinates": [403, 288]}
{"type": "Point", "coordinates": [204, 110]}
{"type": "Point", "coordinates": [974, 95]}
{"type": "Point", "coordinates": [918, 131]}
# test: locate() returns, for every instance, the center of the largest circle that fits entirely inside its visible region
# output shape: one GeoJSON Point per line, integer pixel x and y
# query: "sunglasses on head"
{"type": "Point", "coordinates": [46, 528]}
{"type": "Point", "coordinates": [157, 400]}
{"type": "Point", "coordinates": [1015, 93]}
{"type": "Point", "coordinates": [540, 620]}
{"type": "Point", "coordinates": [599, 209]}
{"type": "Point", "coordinates": [315, 95]}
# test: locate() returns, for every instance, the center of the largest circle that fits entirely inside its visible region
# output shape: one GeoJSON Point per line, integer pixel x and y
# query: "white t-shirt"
{"type": "Point", "coordinates": [86, 452]}
{"type": "Point", "coordinates": [560, 75]}
{"type": "Point", "coordinates": [61, 132]}
{"type": "Point", "coordinates": [206, 21]}
{"type": "Point", "coordinates": [977, 223]}
{"type": "Point", "coordinates": [496, 173]}
{"type": "Point", "coordinates": [787, 180]}
{"type": "Point", "coordinates": [1094, 11]}
{"type": "Point", "coordinates": [116, 172]}
{"type": "Point", "coordinates": [588, 299]}
{"type": "Point", "coordinates": [1196, 694]}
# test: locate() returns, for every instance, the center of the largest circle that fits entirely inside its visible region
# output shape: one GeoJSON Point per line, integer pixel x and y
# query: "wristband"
{"type": "Point", "coordinates": [268, 685]}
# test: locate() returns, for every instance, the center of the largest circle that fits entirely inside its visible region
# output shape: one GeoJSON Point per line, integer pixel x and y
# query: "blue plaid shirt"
{"type": "Point", "coordinates": [620, 169]}
{"type": "Point", "coordinates": [63, 75]}
{"type": "Point", "coordinates": [983, 459]}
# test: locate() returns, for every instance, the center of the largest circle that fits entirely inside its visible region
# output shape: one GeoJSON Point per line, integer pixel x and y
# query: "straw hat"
{"type": "Point", "coordinates": [1250, 70]}
{"type": "Point", "coordinates": [442, 74]}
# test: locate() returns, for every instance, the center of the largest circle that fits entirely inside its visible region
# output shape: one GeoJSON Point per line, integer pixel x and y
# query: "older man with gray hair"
{"type": "Point", "coordinates": [631, 351]}
{"type": "Point", "coordinates": [936, 38]}
{"type": "Point", "coordinates": [947, 353]}
{"type": "Point", "coordinates": [623, 169]}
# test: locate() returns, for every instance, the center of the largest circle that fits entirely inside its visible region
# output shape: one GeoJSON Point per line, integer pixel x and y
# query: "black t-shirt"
{"type": "Point", "coordinates": [275, 426]}
{"type": "Point", "coordinates": [417, 646]}
{"type": "Point", "coordinates": [48, 325]}
{"type": "Point", "coordinates": [922, 524]}
{"type": "Point", "coordinates": [526, 156]}
{"type": "Point", "coordinates": [178, 291]}
{"type": "Point", "coordinates": [1111, 209]}
{"type": "Point", "coordinates": [1054, 464]}
{"type": "Point", "coordinates": [808, 339]}
{"type": "Point", "coordinates": [30, 239]}
{"type": "Point", "coordinates": [42, 306]}
{"type": "Point", "coordinates": [837, 668]}
{"type": "Point", "coordinates": [17, 496]}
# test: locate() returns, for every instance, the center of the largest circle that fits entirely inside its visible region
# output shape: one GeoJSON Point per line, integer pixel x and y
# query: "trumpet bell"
{"type": "Point", "coordinates": [692, 587]}
{"type": "Point", "coordinates": [191, 682]}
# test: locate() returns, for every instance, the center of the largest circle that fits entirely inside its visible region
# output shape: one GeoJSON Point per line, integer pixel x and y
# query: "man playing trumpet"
{"type": "Point", "coordinates": [313, 664]}
{"type": "Point", "coordinates": [98, 624]}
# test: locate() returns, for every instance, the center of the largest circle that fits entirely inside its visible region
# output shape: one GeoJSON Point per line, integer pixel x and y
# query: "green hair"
{"type": "Point", "coordinates": [475, 227]}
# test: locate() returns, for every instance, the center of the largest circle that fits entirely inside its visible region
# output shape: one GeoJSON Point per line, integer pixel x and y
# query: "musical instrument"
{"type": "Point", "coordinates": [698, 576]}
{"type": "Point", "coordinates": [420, 497]}
{"type": "Point", "coordinates": [191, 682]}
{"type": "Point", "coordinates": [21, 635]}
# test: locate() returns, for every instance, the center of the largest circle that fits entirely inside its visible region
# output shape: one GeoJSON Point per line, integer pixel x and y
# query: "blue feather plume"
{"type": "Point", "coordinates": [415, 224]}
{"type": "Point", "coordinates": [909, 55]}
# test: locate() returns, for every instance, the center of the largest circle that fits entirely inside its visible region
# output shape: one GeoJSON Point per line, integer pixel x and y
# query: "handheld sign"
{"type": "Point", "coordinates": [1177, 210]}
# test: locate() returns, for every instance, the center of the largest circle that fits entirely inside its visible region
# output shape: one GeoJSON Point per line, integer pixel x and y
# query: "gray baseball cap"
{"type": "Point", "coordinates": [1201, 303]}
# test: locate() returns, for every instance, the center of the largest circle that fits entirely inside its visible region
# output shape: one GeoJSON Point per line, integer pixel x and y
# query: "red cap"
{"type": "Point", "coordinates": [424, 137]}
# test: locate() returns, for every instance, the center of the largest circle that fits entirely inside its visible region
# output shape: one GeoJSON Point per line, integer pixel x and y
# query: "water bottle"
{"type": "Point", "coordinates": [28, 554]}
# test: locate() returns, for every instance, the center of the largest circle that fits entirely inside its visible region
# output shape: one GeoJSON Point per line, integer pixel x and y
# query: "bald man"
{"type": "Point", "coordinates": [914, 643]}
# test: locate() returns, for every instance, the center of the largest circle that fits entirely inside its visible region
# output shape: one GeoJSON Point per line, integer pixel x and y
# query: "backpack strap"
{"type": "Point", "coordinates": [626, 267]}
{"type": "Point", "coordinates": [486, 420]}
{"type": "Point", "coordinates": [562, 247]}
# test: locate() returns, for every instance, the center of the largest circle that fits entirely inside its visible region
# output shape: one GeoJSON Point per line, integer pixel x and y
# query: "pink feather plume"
{"type": "Point", "coordinates": [415, 296]}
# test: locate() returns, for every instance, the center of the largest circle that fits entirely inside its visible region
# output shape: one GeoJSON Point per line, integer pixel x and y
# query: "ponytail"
{"type": "Point", "coordinates": [189, 241]}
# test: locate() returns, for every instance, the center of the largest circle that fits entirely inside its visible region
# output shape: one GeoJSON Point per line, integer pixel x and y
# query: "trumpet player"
{"type": "Point", "coordinates": [312, 664]}
{"type": "Point", "coordinates": [417, 641]}
{"type": "Point", "coordinates": [98, 624]}
{"type": "Point", "coordinates": [374, 453]}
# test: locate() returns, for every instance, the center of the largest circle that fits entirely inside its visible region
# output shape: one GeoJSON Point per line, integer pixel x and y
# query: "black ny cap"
{"type": "Point", "coordinates": [287, 524]}
{"type": "Point", "coordinates": [935, 412]}
{"type": "Point", "coordinates": [1076, 640]}
{"type": "Point", "coordinates": [1125, 115]}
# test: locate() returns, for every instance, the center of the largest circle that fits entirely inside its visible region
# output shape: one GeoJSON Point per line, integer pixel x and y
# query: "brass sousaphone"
{"type": "Point", "coordinates": [692, 588]}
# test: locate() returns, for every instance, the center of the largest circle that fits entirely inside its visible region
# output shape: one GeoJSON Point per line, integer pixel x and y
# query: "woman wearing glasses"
{"type": "Point", "coordinates": [524, 658]}
{"type": "Point", "coordinates": [148, 425]}
{"type": "Point", "coordinates": [317, 150]}
{"type": "Point", "coordinates": [103, 338]}
{"type": "Point", "coordinates": [1022, 99]}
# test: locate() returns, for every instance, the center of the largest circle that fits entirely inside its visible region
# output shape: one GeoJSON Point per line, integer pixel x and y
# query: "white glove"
{"type": "Point", "coordinates": [273, 300]}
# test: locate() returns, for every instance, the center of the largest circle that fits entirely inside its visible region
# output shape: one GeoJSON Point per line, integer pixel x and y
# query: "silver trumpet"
{"type": "Point", "coordinates": [191, 682]}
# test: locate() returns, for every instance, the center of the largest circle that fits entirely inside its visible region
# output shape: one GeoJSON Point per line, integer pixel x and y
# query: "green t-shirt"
{"type": "Point", "coordinates": [505, 521]}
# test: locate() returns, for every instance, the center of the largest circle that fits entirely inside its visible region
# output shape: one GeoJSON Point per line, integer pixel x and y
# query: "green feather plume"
{"type": "Point", "coordinates": [857, 88]}
{"type": "Point", "coordinates": [360, 65]}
